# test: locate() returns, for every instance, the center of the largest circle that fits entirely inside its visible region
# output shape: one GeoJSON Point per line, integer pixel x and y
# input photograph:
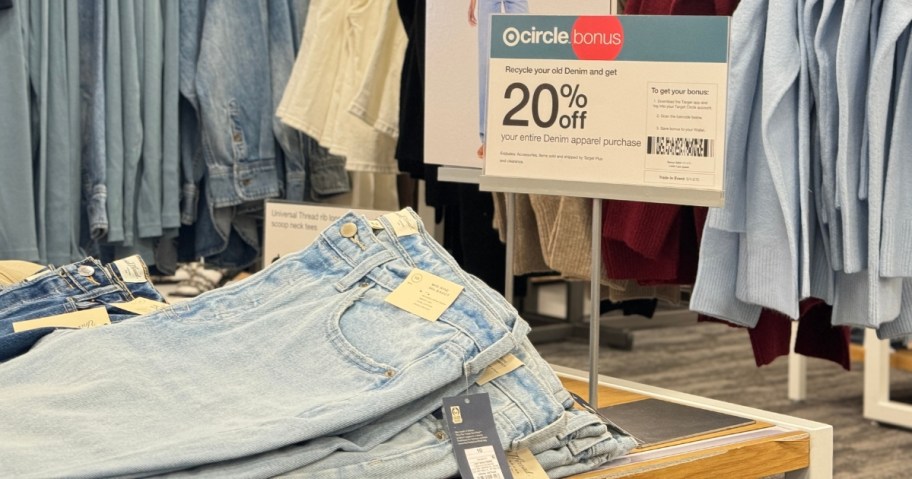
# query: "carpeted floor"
{"type": "Point", "coordinates": [715, 361]}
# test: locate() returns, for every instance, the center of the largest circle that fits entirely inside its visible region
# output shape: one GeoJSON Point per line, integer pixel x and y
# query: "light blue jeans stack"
{"type": "Point", "coordinates": [302, 369]}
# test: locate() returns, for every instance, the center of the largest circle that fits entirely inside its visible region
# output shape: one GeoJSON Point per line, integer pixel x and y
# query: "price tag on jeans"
{"type": "Point", "coordinates": [424, 294]}
{"type": "Point", "coordinates": [86, 318]}
{"type": "Point", "coordinates": [474, 435]}
{"type": "Point", "coordinates": [140, 306]}
{"type": "Point", "coordinates": [626, 107]}
{"type": "Point", "coordinates": [523, 465]}
{"type": "Point", "coordinates": [504, 365]}
{"type": "Point", "coordinates": [132, 269]}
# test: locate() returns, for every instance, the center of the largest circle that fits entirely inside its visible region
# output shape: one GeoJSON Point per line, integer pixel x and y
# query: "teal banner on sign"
{"type": "Point", "coordinates": [638, 38]}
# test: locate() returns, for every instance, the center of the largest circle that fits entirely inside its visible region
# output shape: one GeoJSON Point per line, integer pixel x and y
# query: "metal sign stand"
{"type": "Point", "coordinates": [595, 278]}
{"type": "Point", "coordinates": [595, 275]}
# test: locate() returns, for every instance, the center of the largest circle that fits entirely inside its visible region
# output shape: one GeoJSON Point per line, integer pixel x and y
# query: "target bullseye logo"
{"type": "Point", "coordinates": [512, 36]}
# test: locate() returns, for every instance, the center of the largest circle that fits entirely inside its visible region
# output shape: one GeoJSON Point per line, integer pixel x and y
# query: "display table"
{"type": "Point", "coordinates": [774, 444]}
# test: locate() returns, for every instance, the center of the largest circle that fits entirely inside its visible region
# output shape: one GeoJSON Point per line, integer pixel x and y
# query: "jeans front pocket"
{"type": "Point", "coordinates": [351, 329]}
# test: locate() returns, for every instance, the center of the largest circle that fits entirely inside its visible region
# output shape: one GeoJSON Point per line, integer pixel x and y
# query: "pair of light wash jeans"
{"type": "Point", "coordinates": [531, 410]}
{"type": "Point", "coordinates": [75, 287]}
{"type": "Point", "coordinates": [303, 357]}
{"type": "Point", "coordinates": [303, 350]}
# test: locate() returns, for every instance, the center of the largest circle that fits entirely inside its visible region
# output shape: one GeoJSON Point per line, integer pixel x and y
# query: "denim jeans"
{"type": "Point", "coordinates": [123, 125]}
{"type": "Point", "coordinates": [170, 197]}
{"type": "Point", "coordinates": [18, 238]}
{"type": "Point", "coordinates": [574, 442]}
{"type": "Point", "coordinates": [311, 338]}
{"type": "Point", "coordinates": [191, 14]}
{"type": "Point", "coordinates": [531, 410]}
{"type": "Point", "coordinates": [486, 8]}
{"type": "Point", "coordinates": [83, 285]}
{"type": "Point", "coordinates": [151, 47]}
{"type": "Point", "coordinates": [54, 70]}
{"type": "Point", "coordinates": [92, 84]}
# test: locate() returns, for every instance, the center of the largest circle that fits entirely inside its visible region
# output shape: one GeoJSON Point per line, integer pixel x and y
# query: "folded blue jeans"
{"type": "Point", "coordinates": [573, 442]}
{"type": "Point", "coordinates": [75, 287]}
{"type": "Point", "coordinates": [531, 408]}
{"type": "Point", "coordinates": [304, 349]}
{"type": "Point", "coordinates": [521, 402]}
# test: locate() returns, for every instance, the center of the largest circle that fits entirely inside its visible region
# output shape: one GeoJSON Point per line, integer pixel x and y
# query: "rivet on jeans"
{"type": "Point", "coordinates": [441, 435]}
{"type": "Point", "coordinates": [363, 284]}
{"type": "Point", "coordinates": [389, 373]}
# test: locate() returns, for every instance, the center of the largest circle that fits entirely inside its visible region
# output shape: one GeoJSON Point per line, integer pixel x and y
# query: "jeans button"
{"type": "Point", "coordinates": [86, 270]}
{"type": "Point", "coordinates": [348, 230]}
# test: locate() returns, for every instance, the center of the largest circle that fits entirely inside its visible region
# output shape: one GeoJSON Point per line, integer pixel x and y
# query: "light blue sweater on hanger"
{"type": "Point", "coordinates": [874, 299]}
{"type": "Point", "coordinates": [896, 237]}
{"type": "Point", "coordinates": [715, 288]}
{"type": "Point", "coordinates": [825, 41]}
{"type": "Point", "coordinates": [886, 293]}
{"type": "Point", "coordinates": [770, 263]}
{"type": "Point", "coordinates": [852, 69]}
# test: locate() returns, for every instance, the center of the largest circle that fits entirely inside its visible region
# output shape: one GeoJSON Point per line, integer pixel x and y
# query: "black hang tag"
{"type": "Point", "coordinates": [474, 436]}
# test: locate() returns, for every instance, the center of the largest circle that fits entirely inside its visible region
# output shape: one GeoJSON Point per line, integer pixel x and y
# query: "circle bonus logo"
{"type": "Point", "coordinates": [597, 38]}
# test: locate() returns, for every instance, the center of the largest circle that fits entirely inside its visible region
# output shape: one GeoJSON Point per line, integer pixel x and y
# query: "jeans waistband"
{"type": "Point", "coordinates": [132, 275]}
{"type": "Point", "coordinates": [73, 280]}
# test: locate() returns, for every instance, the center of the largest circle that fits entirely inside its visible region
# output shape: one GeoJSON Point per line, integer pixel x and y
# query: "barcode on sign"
{"type": "Point", "coordinates": [671, 146]}
{"type": "Point", "coordinates": [483, 463]}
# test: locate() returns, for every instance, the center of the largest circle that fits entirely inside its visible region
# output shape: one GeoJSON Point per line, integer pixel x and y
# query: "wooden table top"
{"type": "Point", "coordinates": [754, 458]}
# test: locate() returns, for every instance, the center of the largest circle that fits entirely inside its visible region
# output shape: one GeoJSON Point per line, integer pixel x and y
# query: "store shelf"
{"type": "Point", "coordinates": [774, 444]}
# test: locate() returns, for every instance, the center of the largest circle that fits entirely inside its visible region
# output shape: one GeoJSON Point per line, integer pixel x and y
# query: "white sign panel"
{"type": "Point", "coordinates": [290, 227]}
{"type": "Point", "coordinates": [458, 43]}
{"type": "Point", "coordinates": [629, 107]}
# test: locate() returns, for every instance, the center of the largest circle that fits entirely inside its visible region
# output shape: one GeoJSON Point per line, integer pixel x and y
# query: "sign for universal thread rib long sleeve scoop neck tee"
{"type": "Point", "coordinates": [616, 107]}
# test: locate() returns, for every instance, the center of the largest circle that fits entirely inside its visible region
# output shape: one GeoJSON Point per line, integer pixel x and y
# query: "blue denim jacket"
{"type": "Point", "coordinates": [234, 65]}
{"type": "Point", "coordinates": [235, 103]}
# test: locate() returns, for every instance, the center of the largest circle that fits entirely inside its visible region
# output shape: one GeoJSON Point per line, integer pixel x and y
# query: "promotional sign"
{"type": "Point", "coordinates": [290, 227]}
{"type": "Point", "coordinates": [458, 44]}
{"type": "Point", "coordinates": [629, 107]}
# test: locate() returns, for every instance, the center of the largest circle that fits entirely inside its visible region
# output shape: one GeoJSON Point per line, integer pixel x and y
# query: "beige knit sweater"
{"type": "Point", "coordinates": [553, 233]}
